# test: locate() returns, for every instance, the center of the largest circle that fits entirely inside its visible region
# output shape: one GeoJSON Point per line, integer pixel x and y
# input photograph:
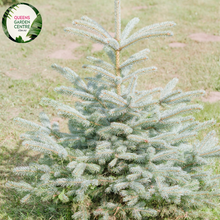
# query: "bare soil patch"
{"type": "Point", "coordinates": [139, 7]}
{"type": "Point", "coordinates": [67, 52]}
{"type": "Point", "coordinates": [14, 112]}
{"type": "Point", "coordinates": [17, 73]}
{"type": "Point", "coordinates": [212, 97]}
{"type": "Point", "coordinates": [97, 47]}
{"type": "Point", "coordinates": [203, 37]}
{"type": "Point", "coordinates": [63, 54]}
{"type": "Point", "coordinates": [177, 45]}
{"type": "Point", "coordinates": [112, 34]}
{"type": "Point", "coordinates": [57, 119]}
{"type": "Point", "coordinates": [63, 123]}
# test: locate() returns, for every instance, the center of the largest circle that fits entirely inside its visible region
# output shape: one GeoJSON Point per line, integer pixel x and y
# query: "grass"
{"type": "Point", "coordinates": [196, 65]}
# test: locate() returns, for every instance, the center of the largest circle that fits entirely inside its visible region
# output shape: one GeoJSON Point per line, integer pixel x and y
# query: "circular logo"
{"type": "Point", "coordinates": [22, 22]}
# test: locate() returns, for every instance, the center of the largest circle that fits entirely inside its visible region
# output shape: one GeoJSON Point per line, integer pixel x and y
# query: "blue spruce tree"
{"type": "Point", "coordinates": [128, 152]}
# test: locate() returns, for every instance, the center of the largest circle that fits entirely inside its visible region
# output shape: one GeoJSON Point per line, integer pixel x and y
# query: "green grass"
{"type": "Point", "coordinates": [197, 67]}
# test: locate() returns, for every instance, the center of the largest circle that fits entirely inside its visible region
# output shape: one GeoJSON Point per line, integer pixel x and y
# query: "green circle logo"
{"type": "Point", "coordinates": [22, 23]}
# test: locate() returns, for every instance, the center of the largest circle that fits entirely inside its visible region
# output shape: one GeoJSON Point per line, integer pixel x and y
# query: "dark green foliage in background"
{"type": "Point", "coordinates": [19, 39]}
{"type": "Point", "coordinates": [4, 2]}
{"type": "Point", "coordinates": [35, 27]}
{"type": "Point", "coordinates": [7, 15]}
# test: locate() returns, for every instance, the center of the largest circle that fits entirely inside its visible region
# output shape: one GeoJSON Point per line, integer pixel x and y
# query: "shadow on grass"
{"type": "Point", "coordinates": [10, 205]}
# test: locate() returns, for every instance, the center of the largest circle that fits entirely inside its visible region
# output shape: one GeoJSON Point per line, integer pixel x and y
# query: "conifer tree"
{"type": "Point", "coordinates": [127, 151]}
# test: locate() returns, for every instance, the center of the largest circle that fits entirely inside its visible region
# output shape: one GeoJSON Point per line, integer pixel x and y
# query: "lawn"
{"type": "Point", "coordinates": [26, 75]}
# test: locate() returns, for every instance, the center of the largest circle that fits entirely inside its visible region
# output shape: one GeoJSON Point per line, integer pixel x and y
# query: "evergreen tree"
{"type": "Point", "coordinates": [127, 151]}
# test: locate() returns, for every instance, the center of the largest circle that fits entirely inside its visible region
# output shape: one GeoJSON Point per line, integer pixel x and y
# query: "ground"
{"type": "Point", "coordinates": [192, 55]}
